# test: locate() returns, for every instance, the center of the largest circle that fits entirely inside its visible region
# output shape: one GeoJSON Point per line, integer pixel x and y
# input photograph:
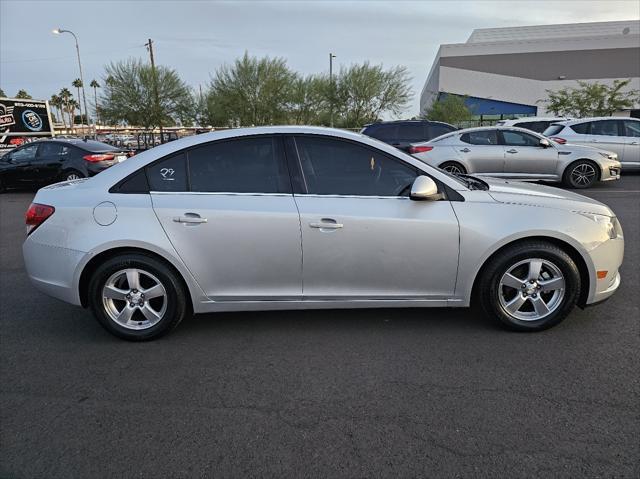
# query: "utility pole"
{"type": "Point", "coordinates": [149, 46]}
{"type": "Point", "coordinates": [331, 57]}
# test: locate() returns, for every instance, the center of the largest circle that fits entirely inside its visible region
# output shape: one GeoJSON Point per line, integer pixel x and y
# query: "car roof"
{"type": "Point", "coordinates": [391, 122]}
{"type": "Point", "coordinates": [595, 118]}
{"type": "Point", "coordinates": [538, 118]}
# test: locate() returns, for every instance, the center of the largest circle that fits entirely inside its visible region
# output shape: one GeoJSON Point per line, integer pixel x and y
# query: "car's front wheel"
{"type": "Point", "coordinates": [529, 286]}
{"type": "Point", "coordinates": [581, 174]}
{"type": "Point", "coordinates": [137, 297]}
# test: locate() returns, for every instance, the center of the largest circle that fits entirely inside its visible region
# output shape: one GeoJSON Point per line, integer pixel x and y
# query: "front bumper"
{"type": "Point", "coordinates": [610, 173]}
{"type": "Point", "coordinates": [607, 256]}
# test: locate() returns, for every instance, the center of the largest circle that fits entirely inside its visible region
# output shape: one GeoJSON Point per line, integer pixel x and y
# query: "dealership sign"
{"type": "Point", "coordinates": [22, 121]}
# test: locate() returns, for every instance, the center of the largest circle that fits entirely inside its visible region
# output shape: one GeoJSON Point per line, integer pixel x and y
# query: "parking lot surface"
{"type": "Point", "coordinates": [356, 393]}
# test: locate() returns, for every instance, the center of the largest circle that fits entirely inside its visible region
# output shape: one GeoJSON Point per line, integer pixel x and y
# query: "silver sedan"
{"type": "Point", "coordinates": [510, 152]}
{"type": "Point", "coordinates": [304, 217]}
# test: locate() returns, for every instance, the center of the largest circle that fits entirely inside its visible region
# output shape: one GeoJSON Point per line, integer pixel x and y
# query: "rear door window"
{"type": "Point", "coordinates": [246, 165]}
{"type": "Point", "coordinates": [484, 137]}
{"type": "Point", "coordinates": [604, 128]}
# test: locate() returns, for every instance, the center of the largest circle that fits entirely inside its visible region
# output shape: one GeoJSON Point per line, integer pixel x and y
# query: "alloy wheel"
{"type": "Point", "coordinates": [134, 299]}
{"type": "Point", "coordinates": [453, 169]}
{"type": "Point", "coordinates": [583, 174]}
{"type": "Point", "coordinates": [531, 289]}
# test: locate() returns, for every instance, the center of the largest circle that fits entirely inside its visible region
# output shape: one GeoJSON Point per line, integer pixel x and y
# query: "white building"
{"type": "Point", "coordinates": [505, 72]}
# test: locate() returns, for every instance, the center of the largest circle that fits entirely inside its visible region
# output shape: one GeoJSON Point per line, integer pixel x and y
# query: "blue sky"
{"type": "Point", "coordinates": [195, 37]}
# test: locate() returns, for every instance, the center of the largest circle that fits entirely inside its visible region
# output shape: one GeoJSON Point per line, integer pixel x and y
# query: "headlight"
{"type": "Point", "coordinates": [609, 223]}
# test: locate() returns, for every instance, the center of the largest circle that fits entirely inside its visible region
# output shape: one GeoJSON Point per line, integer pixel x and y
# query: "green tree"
{"type": "Point", "coordinates": [363, 93]}
{"type": "Point", "coordinates": [128, 95]}
{"type": "Point", "coordinates": [23, 94]}
{"type": "Point", "coordinates": [591, 99]}
{"type": "Point", "coordinates": [309, 100]}
{"type": "Point", "coordinates": [252, 91]}
{"type": "Point", "coordinates": [2, 93]}
{"type": "Point", "coordinates": [450, 109]}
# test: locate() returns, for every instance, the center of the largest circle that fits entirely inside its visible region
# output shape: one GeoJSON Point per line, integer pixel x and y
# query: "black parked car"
{"type": "Point", "coordinates": [49, 161]}
{"type": "Point", "coordinates": [402, 133]}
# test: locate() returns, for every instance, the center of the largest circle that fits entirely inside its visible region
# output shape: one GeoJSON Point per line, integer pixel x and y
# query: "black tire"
{"type": "Point", "coordinates": [453, 167]}
{"type": "Point", "coordinates": [490, 294]}
{"type": "Point", "coordinates": [175, 310]}
{"type": "Point", "coordinates": [66, 175]}
{"type": "Point", "coordinates": [581, 174]}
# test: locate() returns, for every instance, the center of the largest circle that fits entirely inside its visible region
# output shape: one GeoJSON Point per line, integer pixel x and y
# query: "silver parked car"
{"type": "Point", "coordinates": [620, 135]}
{"type": "Point", "coordinates": [509, 152]}
{"type": "Point", "coordinates": [307, 217]}
{"type": "Point", "coordinates": [533, 123]}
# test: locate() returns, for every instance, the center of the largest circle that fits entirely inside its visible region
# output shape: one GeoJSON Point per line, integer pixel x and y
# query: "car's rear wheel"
{"type": "Point", "coordinates": [453, 167]}
{"type": "Point", "coordinates": [137, 297]}
{"type": "Point", "coordinates": [581, 174]}
{"type": "Point", "coordinates": [71, 175]}
{"type": "Point", "coordinates": [529, 286]}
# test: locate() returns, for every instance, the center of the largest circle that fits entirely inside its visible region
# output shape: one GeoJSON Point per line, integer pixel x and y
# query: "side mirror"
{"type": "Point", "coordinates": [424, 189]}
{"type": "Point", "coordinates": [544, 143]}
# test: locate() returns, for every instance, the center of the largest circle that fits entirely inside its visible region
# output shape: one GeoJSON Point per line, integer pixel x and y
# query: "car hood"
{"type": "Point", "coordinates": [586, 149]}
{"type": "Point", "coordinates": [507, 191]}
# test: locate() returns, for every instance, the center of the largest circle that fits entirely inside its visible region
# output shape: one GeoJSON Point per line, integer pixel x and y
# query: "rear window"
{"type": "Point", "coordinates": [412, 131]}
{"type": "Point", "coordinates": [382, 132]}
{"type": "Point", "coordinates": [537, 126]}
{"type": "Point", "coordinates": [553, 130]}
{"type": "Point", "coordinates": [95, 146]}
{"type": "Point", "coordinates": [437, 129]}
{"type": "Point", "coordinates": [582, 128]}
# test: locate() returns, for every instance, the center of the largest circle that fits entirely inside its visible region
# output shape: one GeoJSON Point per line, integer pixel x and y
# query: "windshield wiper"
{"type": "Point", "coordinates": [474, 183]}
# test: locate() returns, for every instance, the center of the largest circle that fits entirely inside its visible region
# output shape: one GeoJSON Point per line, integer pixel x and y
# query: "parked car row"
{"type": "Point", "coordinates": [516, 153]}
{"type": "Point", "coordinates": [581, 153]}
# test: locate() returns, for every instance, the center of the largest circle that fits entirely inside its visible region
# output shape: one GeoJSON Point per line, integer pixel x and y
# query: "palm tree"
{"type": "Point", "coordinates": [66, 98]}
{"type": "Point", "coordinates": [78, 84]}
{"type": "Point", "coordinates": [95, 85]}
{"type": "Point", "coordinates": [56, 102]}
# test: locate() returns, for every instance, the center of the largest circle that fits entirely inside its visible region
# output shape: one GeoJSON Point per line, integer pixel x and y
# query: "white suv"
{"type": "Point", "coordinates": [620, 135]}
{"type": "Point", "coordinates": [533, 123]}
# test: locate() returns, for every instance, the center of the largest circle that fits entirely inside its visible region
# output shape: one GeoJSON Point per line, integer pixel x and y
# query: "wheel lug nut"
{"type": "Point", "coordinates": [524, 286]}
{"type": "Point", "coordinates": [535, 295]}
{"type": "Point", "coordinates": [132, 304]}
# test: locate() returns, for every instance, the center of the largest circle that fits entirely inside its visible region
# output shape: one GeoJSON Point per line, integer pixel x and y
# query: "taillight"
{"type": "Point", "coordinates": [557, 139]}
{"type": "Point", "coordinates": [96, 158]}
{"type": "Point", "coordinates": [419, 149]}
{"type": "Point", "coordinates": [36, 215]}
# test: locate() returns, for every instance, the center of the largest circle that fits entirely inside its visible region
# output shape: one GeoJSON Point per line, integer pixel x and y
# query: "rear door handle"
{"type": "Point", "coordinates": [190, 218]}
{"type": "Point", "coordinates": [327, 224]}
{"type": "Point", "coordinates": [512, 151]}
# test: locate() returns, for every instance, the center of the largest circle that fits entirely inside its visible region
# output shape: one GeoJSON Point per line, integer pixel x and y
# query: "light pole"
{"type": "Point", "coordinates": [58, 31]}
{"type": "Point", "coordinates": [331, 57]}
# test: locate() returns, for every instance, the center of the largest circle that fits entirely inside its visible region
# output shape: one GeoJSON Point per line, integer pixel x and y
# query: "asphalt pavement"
{"type": "Point", "coordinates": [352, 393]}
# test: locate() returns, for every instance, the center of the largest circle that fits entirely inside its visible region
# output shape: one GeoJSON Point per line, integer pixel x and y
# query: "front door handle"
{"type": "Point", "coordinates": [512, 151]}
{"type": "Point", "coordinates": [327, 224]}
{"type": "Point", "coordinates": [465, 150]}
{"type": "Point", "coordinates": [190, 218]}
